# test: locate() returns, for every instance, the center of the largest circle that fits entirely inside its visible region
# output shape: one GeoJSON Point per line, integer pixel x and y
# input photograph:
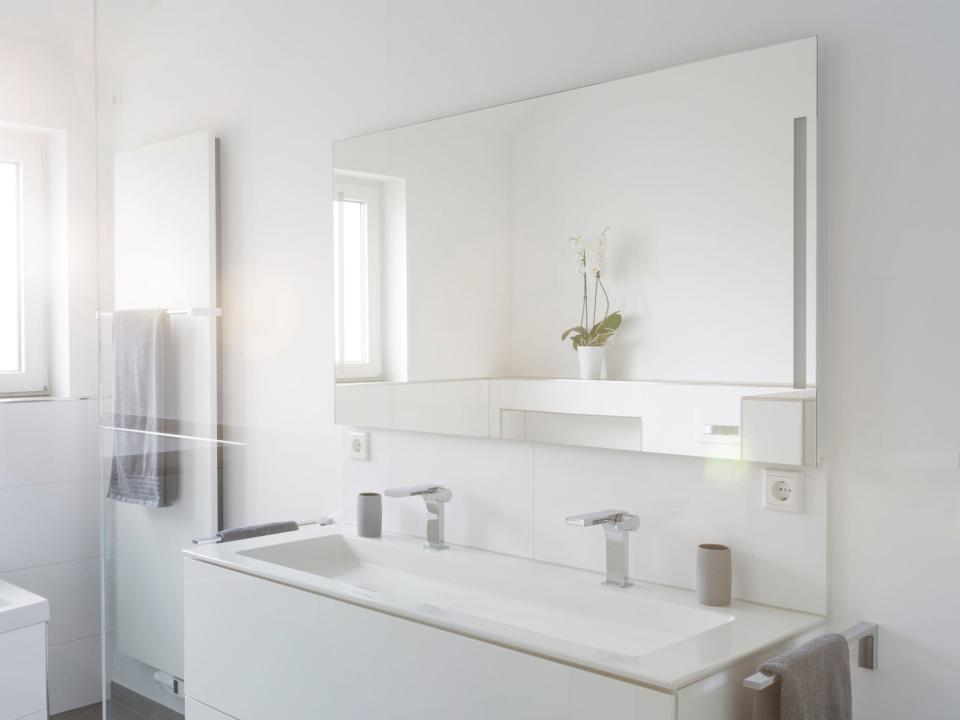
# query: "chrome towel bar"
{"type": "Point", "coordinates": [865, 634]}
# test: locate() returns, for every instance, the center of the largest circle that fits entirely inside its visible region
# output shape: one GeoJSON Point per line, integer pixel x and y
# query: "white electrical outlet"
{"type": "Point", "coordinates": [782, 490]}
{"type": "Point", "coordinates": [359, 445]}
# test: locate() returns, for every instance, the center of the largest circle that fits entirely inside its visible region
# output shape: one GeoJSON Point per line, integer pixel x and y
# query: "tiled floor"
{"type": "Point", "coordinates": [125, 704]}
{"type": "Point", "coordinates": [94, 712]}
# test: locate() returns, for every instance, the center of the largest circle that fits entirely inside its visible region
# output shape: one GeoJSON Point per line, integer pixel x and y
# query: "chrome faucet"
{"type": "Point", "coordinates": [616, 524]}
{"type": "Point", "coordinates": [435, 496]}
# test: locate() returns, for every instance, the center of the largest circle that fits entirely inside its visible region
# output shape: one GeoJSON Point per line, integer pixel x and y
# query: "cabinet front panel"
{"type": "Point", "coordinates": [258, 650]}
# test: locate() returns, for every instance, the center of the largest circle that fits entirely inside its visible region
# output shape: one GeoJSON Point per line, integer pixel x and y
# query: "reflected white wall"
{"type": "Point", "coordinates": [692, 168]}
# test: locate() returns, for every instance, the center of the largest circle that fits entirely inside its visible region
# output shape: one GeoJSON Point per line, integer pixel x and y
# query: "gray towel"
{"type": "Point", "coordinates": [140, 339]}
{"type": "Point", "coordinates": [813, 683]}
{"type": "Point", "coordinates": [251, 531]}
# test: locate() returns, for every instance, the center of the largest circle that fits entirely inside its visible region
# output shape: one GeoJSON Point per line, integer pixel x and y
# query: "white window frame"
{"type": "Point", "coordinates": [371, 193]}
{"type": "Point", "coordinates": [31, 379]}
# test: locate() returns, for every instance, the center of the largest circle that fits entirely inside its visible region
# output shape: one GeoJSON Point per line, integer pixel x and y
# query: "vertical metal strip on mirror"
{"type": "Point", "coordinates": [800, 252]}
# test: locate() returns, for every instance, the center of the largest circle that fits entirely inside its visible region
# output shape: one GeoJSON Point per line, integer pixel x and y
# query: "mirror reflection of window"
{"type": "Point", "coordinates": [357, 227]}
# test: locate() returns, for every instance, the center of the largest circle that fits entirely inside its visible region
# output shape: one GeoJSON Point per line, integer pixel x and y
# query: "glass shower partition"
{"type": "Point", "coordinates": [161, 437]}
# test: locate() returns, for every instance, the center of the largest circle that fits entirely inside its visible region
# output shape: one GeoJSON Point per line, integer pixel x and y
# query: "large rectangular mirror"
{"type": "Point", "coordinates": [666, 220]}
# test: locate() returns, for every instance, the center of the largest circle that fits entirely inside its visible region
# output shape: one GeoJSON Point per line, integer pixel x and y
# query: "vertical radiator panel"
{"type": "Point", "coordinates": [166, 255]}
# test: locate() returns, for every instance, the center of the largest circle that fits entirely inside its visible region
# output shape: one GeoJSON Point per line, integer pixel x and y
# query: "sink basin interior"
{"type": "Point", "coordinates": [554, 602]}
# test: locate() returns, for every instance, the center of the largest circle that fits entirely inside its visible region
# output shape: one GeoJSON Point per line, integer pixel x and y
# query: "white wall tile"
{"type": "Point", "coordinates": [73, 590]}
{"type": "Point", "coordinates": [50, 532]}
{"type": "Point", "coordinates": [74, 674]}
{"type": "Point", "coordinates": [48, 441]}
{"type": "Point", "coordinates": [492, 484]}
{"type": "Point", "coordinates": [50, 523]}
{"type": "Point", "coordinates": [514, 497]}
{"type": "Point", "coordinates": [779, 558]}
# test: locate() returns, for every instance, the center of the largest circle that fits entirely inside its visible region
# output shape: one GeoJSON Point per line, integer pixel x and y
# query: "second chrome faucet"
{"type": "Point", "coordinates": [616, 525]}
{"type": "Point", "coordinates": [435, 497]}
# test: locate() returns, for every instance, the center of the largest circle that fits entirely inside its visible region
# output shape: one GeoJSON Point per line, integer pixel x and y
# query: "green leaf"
{"type": "Point", "coordinates": [603, 330]}
{"type": "Point", "coordinates": [579, 330]}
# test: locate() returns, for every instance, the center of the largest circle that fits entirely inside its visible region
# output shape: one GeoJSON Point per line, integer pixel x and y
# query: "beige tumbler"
{"type": "Point", "coordinates": [714, 575]}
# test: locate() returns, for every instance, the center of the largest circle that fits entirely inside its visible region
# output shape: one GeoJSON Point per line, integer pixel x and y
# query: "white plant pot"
{"type": "Point", "coordinates": [591, 362]}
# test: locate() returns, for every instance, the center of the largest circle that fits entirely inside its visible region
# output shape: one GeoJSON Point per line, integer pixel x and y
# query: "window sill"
{"type": "Point", "coordinates": [40, 398]}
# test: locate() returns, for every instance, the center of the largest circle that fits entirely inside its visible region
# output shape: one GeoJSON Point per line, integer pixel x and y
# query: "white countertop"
{"type": "Point", "coordinates": [652, 635]}
{"type": "Point", "coordinates": [20, 608]}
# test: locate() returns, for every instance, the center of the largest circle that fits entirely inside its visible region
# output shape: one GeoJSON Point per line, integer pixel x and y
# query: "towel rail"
{"type": "Point", "coordinates": [865, 634]}
{"type": "Point", "coordinates": [192, 312]}
{"type": "Point", "coordinates": [216, 538]}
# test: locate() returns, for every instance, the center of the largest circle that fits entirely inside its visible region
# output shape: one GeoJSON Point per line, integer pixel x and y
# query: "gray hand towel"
{"type": "Point", "coordinates": [252, 531]}
{"type": "Point", "coordinates": [813, 683]}
{"type": "Point", "coordinates": [140, 339]}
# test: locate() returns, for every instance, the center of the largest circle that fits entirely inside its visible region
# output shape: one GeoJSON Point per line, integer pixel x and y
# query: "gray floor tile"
{"type": "Point", "coordinates": [93, 712]}
{"type": "Point", "coordinates": [90, 712]}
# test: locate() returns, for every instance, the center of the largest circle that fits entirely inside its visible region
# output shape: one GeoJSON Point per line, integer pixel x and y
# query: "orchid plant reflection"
{"type": "Point", "coordinates": [591, 257]}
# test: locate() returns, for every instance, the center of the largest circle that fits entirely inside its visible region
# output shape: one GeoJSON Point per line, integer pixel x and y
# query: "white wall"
{"type": "Point", "coordinates": [278, 81]}
{"type": "Point", "coordinates": [513, 497]}
{"type": "Point", "coordinates": [49, 472]}
{"type": "Point", "coordinates": [239, 70]}
{"type": "Point", "coordinates": [50, 532]}
{"type": "Point", "coordinates": [47, 81]}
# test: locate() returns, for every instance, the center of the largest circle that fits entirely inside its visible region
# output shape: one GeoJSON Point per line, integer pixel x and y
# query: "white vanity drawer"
{"type": "Point", "coordinates": [262, 650]}
{"type": "Point", "coordinates": [198, 711]}
{"type": "Point", "coordinates": [23, 672]}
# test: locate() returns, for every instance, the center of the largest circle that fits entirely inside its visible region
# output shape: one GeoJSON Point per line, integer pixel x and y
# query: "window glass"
{"type": "Point", "coordinates": [10, 268]}
{"type": "Point", "coordinates": [350, 226]}
{"type": "Point", "coordinates": [357, 226]}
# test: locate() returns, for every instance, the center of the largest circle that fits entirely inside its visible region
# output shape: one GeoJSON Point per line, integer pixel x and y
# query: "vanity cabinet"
{"type": "Point", "coordinates": [23, 654]}
{"type": "Point", "coordinates": [23, 672]}
{"type": "Point", "coordinates": [259, 650]}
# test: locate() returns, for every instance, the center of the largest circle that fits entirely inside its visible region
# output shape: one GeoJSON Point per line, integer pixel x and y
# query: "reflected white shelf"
{"type": "Point", "coordinates": [697, 419]}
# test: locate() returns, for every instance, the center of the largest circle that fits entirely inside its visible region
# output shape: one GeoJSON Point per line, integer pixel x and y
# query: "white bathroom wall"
{"type": "Point", "coordinates": [240, 71]}
{"type": "Point", "coordinates": [514, 497]}
{"type": "Point", "coordinates": [47, 81]}
{"type": "Point", "coordinates": [50, 532]}
{"type": "Point", "coordinates": [49, 473]}
{"type": "Point", "coordinates": [278, 81]}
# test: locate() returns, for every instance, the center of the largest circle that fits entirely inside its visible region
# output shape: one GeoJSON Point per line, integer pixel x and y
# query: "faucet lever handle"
{"type": "Point", "coordinates": [620, 519]}
{"type": "Point", "coordinates": [434, 496]}
{"type": "Point", "coordinates": [434, 493]}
